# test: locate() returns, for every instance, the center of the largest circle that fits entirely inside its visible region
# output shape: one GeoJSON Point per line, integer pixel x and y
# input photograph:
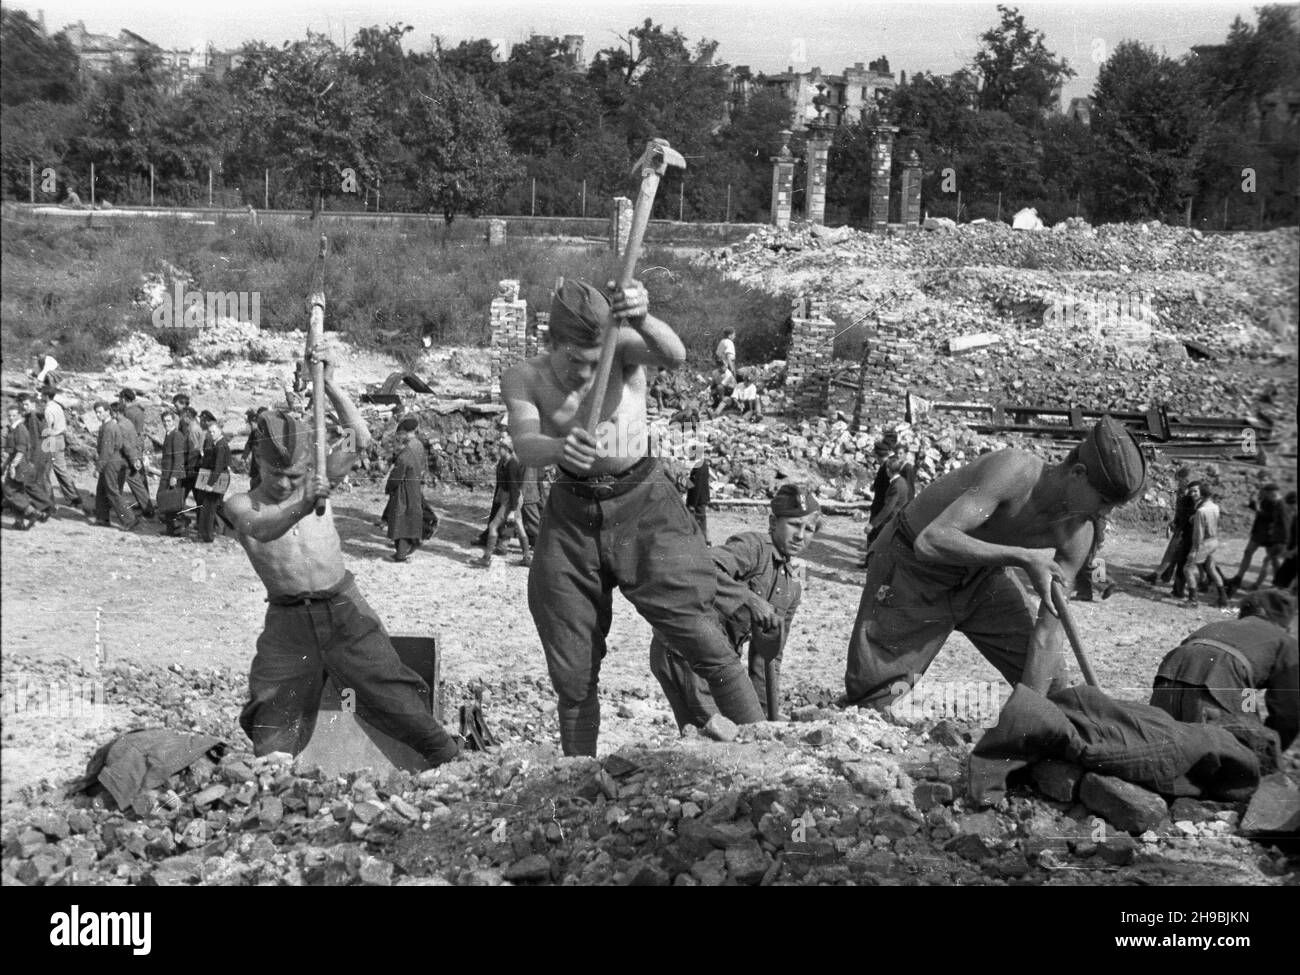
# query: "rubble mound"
{"type": "Point", "coordinates": [829, 798]}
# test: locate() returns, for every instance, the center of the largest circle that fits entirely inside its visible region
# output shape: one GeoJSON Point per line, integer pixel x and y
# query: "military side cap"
{"type": "Point", "coordinates": [408, 423]}
{"type": "Point", "coordinates": [1116, 466]}
{"type": "Point", "coordinates": [579, 313]}
{"type": "Point", "coordinates": [794, 501]}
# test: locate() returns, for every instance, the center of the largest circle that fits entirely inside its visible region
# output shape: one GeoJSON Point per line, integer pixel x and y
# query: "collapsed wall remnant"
{"type": "Point", "coordinates": [811, 353]}
{"type": "Point", "coordinates": [508, 321]}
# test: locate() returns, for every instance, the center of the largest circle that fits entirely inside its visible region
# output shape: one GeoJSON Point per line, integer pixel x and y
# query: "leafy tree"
{"type": "Point", "coordinates": [1018, 74]}
{"type": "Point", "coordinates": [307, 115]}
{"type": "Point", "coordinates": [34, 67]}
{"type": "Point", "coordinates": [1149, 127]}
{"type": "Point", "coordinates": [462, 163]}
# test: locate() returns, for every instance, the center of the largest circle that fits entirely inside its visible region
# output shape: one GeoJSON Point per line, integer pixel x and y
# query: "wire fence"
{"type": "Point", "coordinates": [681, 201]}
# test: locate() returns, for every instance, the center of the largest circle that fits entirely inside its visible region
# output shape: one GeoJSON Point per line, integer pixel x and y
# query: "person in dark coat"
{"type": "Point", "coordinates": [404, 512]}
{"type": "Point", "coordinates": [1224, 671]}
{"type": "Point", "coordinates": [250, 448]}
{"type": "Point", "coordinates": [38, 485]}
{"type": "Point", "coordinates": [137, 480]}
{"type": "Point", "coordinates": [1267, 532]}
{"type": "Point", "coordinates": [18, 468]}
{"type": "Point", "coordinates": [171, 483]}
{"type": "Point", "coordinates": [214, 477]}
{"type": "Point", "coordinates": [697, 496]}
{"type": "Point", "coordinates": [115, 455]}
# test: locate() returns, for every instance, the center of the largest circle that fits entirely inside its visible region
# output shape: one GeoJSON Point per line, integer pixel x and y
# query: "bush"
{"type": "Point", "coordinates": [385, 285]}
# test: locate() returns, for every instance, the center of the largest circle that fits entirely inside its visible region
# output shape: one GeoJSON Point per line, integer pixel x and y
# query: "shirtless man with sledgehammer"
{"type": "Point", "coordinates": [318, 622]}
{"type": "Point", "coordinates": [612, 520]}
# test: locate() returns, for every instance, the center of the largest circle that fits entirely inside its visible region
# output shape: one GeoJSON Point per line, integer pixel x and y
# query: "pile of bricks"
{"type": "Point", "coordinates": [811, 355]}
{"type": "Point", "coordinates": [888, 372]}
{"type": "Point", "coordinates": [508, 322]}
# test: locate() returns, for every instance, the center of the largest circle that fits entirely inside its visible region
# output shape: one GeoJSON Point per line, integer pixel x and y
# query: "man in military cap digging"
{"type": "Point", "coordinates": [945, 564]}
{"type": "Point", "coordinates": [613, 518]}
{"type": "Point", "coordinates": [759, 589]}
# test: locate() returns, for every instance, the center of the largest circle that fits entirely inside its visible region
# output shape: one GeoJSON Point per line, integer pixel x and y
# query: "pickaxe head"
{"type": "Point", "coordinates": [658, 156]}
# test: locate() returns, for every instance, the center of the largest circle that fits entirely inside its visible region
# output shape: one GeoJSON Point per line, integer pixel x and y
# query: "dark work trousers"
{"type": "Point", "coordinates": [59, 466]}
{"type": "Point", "coordinates": [909, 609]}
{"type": "Point", "coordinates": [688, 696]}
{"type": "Point", "coordinates": [108, 494]}
{"type": "Point", "coordinates": [337, 635]}
{"type": "Point", "coordinates": [138, 483]}
{"type": "Point", "coordinates": [208, 502]}
{"type": "Point", "coordinates": [38, 487]}
{"type": "Point", "coordinates": [632, 532]}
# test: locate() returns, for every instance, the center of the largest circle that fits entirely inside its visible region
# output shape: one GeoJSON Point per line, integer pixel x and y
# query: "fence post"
{"type": "Point", "coordinates": [534, 196]}
{"type": "Point", "coordinates": [31, 181]}
{"type": "Point", "coordinates": [151, 184]}
{"type": "Point", "coordinates": [681, 200]}
{"type": "Point", "coordinates": [266, 189]}
{"type": "Point", "coordinates": [584, 198]}
{"type": "Point", "coordinates": [209, 187]}
{"type": "Point", "coordinates": [728, 217]}
{"type": "Point", "coordinates": [92, 184]}
{"type": "Point", "coordinates": [378, 179]}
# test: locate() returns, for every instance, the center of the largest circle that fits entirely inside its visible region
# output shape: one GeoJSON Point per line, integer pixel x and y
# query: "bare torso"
{"type": "Point", "coordinates": [1016, 518]}
{"type": "Point", "coordinates": [623, 429]}
{"type": "Point", "coordinates": [306, 558]}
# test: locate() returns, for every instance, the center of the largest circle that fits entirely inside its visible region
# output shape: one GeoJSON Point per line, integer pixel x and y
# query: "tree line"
{"type": "Point", "coordinates": [460, 130]}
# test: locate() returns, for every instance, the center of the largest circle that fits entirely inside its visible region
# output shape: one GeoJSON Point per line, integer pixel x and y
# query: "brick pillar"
{"type": "Point", "coordinates": [808, 367]}
{"type": "Point", "coordinates": [508, 321]}
{"type": "Point", "coordinates": [620, 225]}
{"type": "Point", "coordinates": [782, 182]}
{"type": "Point", "coordinates": [895, 360]}
{"type": "Point", "coordinates": [882, 158]}
{"type": "Point", "coordinates": [912, 191]}
{"type": "Point", "coordinates": [819, 149]}
{"type": "Point", "coordinates": [496, 233]}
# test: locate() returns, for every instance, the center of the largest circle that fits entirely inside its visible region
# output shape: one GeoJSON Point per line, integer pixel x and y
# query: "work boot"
{"type": "Point", "coordinates": [1151, 578]}
{"type": "Point", "coordinates": [1223, 596]}
{"type": "Point", "coordinates": [444, 753]}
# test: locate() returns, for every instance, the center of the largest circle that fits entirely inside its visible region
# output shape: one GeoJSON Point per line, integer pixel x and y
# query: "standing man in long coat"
{"type": "Point", "coordinates": [404, 512]}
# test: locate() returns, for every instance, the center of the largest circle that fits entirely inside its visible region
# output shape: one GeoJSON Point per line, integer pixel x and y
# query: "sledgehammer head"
{"type": "Point", "coordinates": [658, 156]}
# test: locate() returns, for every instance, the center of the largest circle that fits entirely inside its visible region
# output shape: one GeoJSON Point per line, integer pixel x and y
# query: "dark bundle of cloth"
{"type": "Point", "coordinates": [1132, 741]}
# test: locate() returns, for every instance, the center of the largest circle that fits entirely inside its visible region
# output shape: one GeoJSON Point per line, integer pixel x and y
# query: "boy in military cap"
{"type": "Point", "coordinates": [613, 518]}
{"type": "Point", "coordinates": [945, 563]}
{"type": "Point", "coordinates": [759, 589]}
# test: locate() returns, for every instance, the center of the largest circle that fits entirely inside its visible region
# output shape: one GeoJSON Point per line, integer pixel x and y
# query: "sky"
{"type": "Point", "coordinates": [766, 35]}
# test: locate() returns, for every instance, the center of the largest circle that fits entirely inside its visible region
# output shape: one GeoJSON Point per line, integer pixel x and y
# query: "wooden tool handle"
{"type": "Point", "coordinates": [640, 220]}
{"type": "Point", "coordinates": [316, 332]}
{"type": "Point", "coordinates": [1062, 603]}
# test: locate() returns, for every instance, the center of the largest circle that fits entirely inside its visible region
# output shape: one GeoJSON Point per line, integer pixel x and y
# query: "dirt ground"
{"type": "Point", "coordinates": [93, 597]}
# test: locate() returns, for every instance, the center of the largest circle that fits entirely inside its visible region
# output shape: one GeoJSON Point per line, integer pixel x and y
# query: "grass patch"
{"type": "Point", "coordinates": [70, 288]}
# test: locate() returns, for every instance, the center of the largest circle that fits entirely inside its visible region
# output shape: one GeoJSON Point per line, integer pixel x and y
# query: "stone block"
{"type": "Point", "coordinates": [1124, 805]}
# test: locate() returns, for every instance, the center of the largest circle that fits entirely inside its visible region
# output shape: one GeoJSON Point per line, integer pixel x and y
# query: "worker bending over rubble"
{"type": "Point", "coordinates": [1224, 671]}
{"type": "Point", "coordinates": [759, 589]}
{"type": "Point", "coordinates": [945, 564]}
{"type": "Point", "coordinates": [318, 623]}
